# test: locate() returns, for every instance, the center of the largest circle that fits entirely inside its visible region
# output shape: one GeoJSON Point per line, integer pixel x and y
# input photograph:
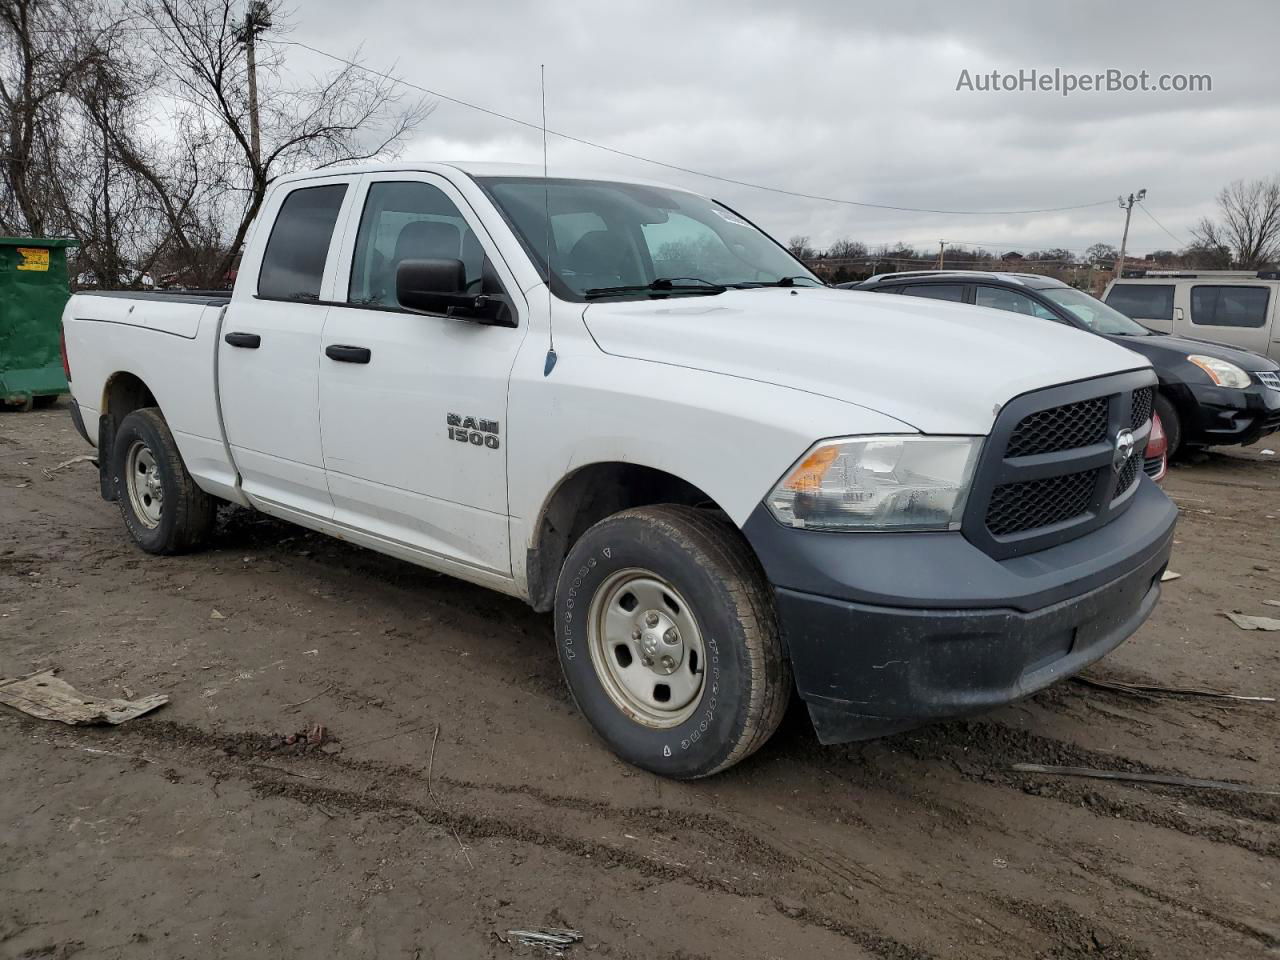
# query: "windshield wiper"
{"type": "Point", "coordinates": [780, 282]}
{"type": "Point", "coordinates": [661, 285]}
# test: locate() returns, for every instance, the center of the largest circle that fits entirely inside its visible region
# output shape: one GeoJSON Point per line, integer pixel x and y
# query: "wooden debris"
{"type": "Point", "coordinates": [1162, 779]}
{"type": "Point", "coordinates": [431, 766]}
{"type": "Point", "coordinates": [1151, 688]}
{"type": "Point", "coordinates": [50, 471]}
{"type": "Point", "coordinates": [554, 941]}
{"type": "Point", "coordinates": [44, 696]}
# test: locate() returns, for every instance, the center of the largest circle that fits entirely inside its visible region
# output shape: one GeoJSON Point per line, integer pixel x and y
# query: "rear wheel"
{"type": "Point", "coordinates": [163, 509]}
{"type": "Point", "coordinates": [1172, 425]}
{"type": "Point", "coordinates": [669, 642]}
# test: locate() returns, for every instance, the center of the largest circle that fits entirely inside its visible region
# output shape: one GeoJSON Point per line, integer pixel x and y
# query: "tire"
{"type": "Point", "coordinates": [1172, 425]}
{"type": "Point", "coordinates": [163, 509]}
{"type": "Point", "coordinates": [45, 401]}
{"type": "Point", "coordinates": [694, 575]}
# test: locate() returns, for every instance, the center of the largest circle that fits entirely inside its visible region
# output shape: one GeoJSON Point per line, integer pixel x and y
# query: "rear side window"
{"type": "Point", "coordinates": [1012, 301]}
{"type": "Point", "coordinates": [1142, 301]}
{"type": "Point", "coordinates": [1229, 306]}
{"type": "Point", "coordinates": [293, 263]}
{"type": "Point", "coordinates": [936, 291]}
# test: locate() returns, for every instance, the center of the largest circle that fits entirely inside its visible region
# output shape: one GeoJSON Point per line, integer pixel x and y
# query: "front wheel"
{"type": "Point", "coordinates": [668, 639]}
{"type": "Point", "coordinates": [163, 509]}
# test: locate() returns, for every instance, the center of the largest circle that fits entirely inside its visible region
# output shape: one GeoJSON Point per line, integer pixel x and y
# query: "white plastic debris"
{"type": "Point", "coordinates": [1246, 622]}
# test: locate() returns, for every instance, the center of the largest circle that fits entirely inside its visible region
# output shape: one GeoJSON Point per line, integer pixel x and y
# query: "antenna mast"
{"type": "Point", "coordinates": [546, 200]}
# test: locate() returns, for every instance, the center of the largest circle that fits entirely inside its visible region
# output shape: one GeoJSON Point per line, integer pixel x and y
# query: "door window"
{"type": "Point", "coordinates": [409, 221]}
{"type": "Point", "coordinates": [1012, 301]}
{"type": "Point", "coordinates": [1229, 306]}
{"type": "Point", "coordinates": [936, 291]}
{"type": "Point", "coordinates": [293, 263]}
{"type": "Point", "coordinates": [1142, 301]}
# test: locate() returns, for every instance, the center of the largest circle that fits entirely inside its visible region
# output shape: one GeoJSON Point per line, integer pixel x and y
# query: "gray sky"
{"type": "Point", "coordinates": [850, 100]}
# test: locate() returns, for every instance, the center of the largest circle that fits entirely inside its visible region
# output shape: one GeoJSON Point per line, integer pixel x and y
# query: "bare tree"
{"type": "Point", "coordinates": [209, 182]}
{"type": "Point", "coordinates": [801, 248]}
{"type": "Point", "coordinates": [846, 249]}
{"type": "Point", "coordinates": [45, 45]}
{"type": "Point", "coordinates": [1248, 225]}
{"type": "Point", "coordinates": [1104, 252]}
{"type": "Point", "coordinates": [1202, 256]}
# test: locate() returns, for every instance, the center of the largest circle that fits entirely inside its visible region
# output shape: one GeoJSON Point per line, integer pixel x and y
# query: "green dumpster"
{"type": "Point", "coordinates": [33, 291]}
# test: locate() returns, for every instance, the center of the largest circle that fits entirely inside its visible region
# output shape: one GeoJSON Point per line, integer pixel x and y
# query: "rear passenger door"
{"type": "Point", "coordinates": [1233, 313]}
{"type": "Point", "coordinates": [269, 352]}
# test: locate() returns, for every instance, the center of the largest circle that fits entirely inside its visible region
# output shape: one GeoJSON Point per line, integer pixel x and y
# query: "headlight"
{"type": "Point", "coordinates": [878, 483]}
{"type": "Point", "coordinates": [1221, 372]}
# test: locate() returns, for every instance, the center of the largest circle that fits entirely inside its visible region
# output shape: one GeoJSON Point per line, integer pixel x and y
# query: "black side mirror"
{"type": "Point", "coordinates": [432, 285]}
{"type": "Point", "coordinates": [439, 287]}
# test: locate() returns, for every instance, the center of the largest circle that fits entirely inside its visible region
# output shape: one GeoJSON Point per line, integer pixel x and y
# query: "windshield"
{"type": "Point", "coordinates": [1095, 314]}
{"type": "Point", "coordinates": [629, 242]}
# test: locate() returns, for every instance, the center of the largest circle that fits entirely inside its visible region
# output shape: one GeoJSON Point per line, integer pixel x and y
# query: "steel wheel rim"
{"type": "Point", "coordinates": [646, 648]}
{"type": "Point", "coordinates": [142, 478]}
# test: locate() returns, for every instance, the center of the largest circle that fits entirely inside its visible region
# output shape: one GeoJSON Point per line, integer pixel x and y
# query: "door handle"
{"type": "Point", "coordinates": [346, 354]}
{"type": "Point", "coordinates": [250, 341]}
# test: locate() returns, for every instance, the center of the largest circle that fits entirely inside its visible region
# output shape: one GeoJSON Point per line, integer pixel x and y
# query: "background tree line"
{"type": "Point", "coordinates": [1245, 235]}
{"type": "Point", "coordinates": [126, 124]}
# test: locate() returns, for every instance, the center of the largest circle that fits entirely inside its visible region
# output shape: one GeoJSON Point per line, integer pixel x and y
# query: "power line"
{"type": "Point", "coordinates": [1163, 227]}
{"type": "Point", "coordinates": [673, 166]}
{"type": "Point", "coordinates": [660, 163]}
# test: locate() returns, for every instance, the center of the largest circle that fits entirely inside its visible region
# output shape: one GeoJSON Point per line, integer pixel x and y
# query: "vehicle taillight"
{"type": "Point", "coordinates": [62, 346]}
{"type": "Point", "coordinates": [1156, 456]}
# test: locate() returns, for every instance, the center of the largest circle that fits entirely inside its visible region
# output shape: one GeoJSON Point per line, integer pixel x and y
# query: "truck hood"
{"type": "Point", "coordinates": [936, 366]}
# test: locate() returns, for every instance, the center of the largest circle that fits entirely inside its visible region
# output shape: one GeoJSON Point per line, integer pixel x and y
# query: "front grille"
{"type": "Point", "coordinates": [1047, 474]}
{"type": "Point", "coordinates": [1269, 378]}
{"type": "Point", "coordinates": [1140, 412]}
{"type": "Point", "coordinates": [1151, 466]}
{"type": "Point", "coordinates": [1016, 507]}
{"type": "Point", "coordinates": [1128, 474]}
{"type": "Point", "coordinates": [1060, 428]}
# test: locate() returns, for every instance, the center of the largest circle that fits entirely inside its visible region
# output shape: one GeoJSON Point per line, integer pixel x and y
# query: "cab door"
{"type": "Point", "coordinates": [268, 384]}
{"type": "Point", "coordinates": [413, 407]}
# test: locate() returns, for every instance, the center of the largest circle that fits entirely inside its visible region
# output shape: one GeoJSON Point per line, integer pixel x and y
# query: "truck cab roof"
{"type": "Point", "coordinates": [474, 169]}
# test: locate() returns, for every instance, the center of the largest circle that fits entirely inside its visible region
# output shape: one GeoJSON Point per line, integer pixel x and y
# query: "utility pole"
{"type": "Point", "coordinates": [942, 254]}
{"type": "Point", "coordinates": [1127, 207]}
{"type": "Point", "coordinates": [257, 18]}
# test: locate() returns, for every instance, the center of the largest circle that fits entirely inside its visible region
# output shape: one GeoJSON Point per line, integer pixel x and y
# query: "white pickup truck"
{"type": "Point", "coordinates": [624, 403]}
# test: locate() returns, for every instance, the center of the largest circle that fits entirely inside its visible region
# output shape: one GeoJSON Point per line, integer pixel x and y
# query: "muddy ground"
{"type": "Point", "coordinates": [193, 833]}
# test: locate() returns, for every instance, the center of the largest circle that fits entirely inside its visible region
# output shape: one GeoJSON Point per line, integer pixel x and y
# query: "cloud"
{"type": "Point", "coordinates": [846, 100]}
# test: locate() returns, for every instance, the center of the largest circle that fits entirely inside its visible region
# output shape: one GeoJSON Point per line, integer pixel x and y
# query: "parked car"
{"type": "Point", "coordinates": [647, 417]}
{"type": "Point", "coordinates": [1210, 394]}
{"type": "Point", "coordinates": [1236, 307]}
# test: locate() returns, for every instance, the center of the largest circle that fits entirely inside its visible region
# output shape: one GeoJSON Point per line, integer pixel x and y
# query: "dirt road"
{"type": "Point", "coordinates": [194, 833]}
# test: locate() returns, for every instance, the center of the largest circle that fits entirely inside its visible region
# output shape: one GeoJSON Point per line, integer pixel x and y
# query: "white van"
{"type": "Point", "coordinates": [1237, 307]}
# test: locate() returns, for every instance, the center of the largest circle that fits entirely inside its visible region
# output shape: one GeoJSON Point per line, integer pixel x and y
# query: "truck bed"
{"type": "Point", "coordinates": [166, 340]}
